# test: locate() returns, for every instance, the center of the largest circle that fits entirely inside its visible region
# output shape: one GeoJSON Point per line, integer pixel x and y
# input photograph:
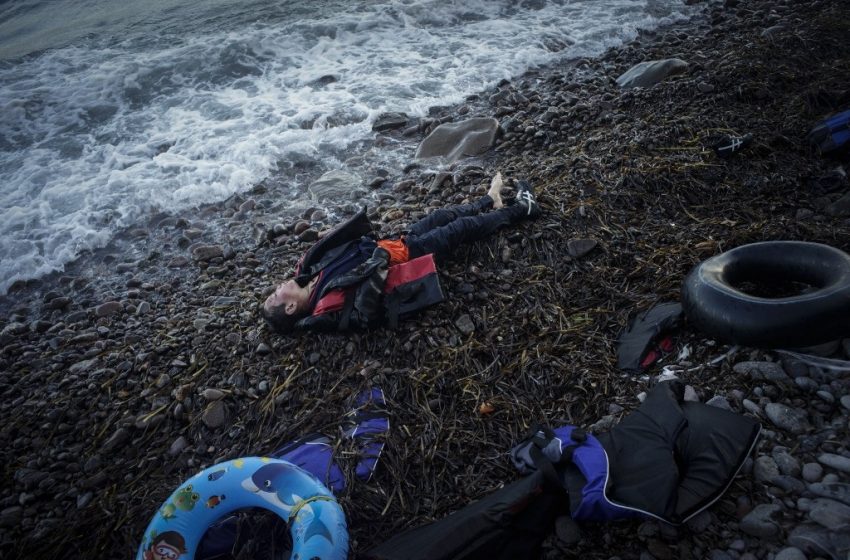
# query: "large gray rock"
{"type": "Point", "coordinates": [834, 461]}
{"type": "Point", "coordinates": [454, 141]}
{"type": "Point", "coordinates": [334, 185]}
{"type": "Point", "coordinates": [651, 72]}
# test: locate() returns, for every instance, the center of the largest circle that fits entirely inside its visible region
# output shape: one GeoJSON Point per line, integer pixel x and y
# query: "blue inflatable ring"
{"type": "Point", "coordinates": [317, 522]}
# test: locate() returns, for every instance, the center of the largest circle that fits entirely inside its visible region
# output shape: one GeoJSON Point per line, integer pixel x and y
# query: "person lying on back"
{"type": "Point", "coordinates": [351, 280]}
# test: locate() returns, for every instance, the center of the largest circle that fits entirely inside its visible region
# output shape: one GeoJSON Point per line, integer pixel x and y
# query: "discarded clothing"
{"type": "Point", "coordinates": [508, 524]}
{"type": "Point", "coordinates": [315, 453]}
{"type": "Point", "coordinates": [670, 459]}
{"type": "Point", "coordinates": [636, 349]}
{"type": "Point", "coordinates": [832, 133]}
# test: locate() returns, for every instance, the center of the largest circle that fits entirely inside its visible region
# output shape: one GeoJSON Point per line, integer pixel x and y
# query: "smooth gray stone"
{"type": "Point", "coordinates": [817, 541]}
{"type": "Point", "coordinates": [831, 514]}
{"type": "Point", "coordinates": [650, 72]}
{"type": "Point", "coordinates": [834, 461]}
{"type": "Point", "coordinates": [207, 252]}
{"type": "Point", "coordinates": [790, 553]}
{"type": "Point", "coordinates": [765, 469]}
{"type": "Point", "coordinates": [787, 463]}
{"type": "Point", "coordinates": [761, 522]}
{"type": "Point", "coordinates": [839, 491]}
{"type": "Point", "coordinates": [454, 141]}
{"type": "Point", "coordinates": [812, 472]}
{"type": "Point", "coordinates": [762, 371]}
{"type": "Point", "coordinates": [787, 418]}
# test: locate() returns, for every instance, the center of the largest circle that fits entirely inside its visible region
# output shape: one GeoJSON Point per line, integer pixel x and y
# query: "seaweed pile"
{"type": "Point", "coordinates": [112, 397]}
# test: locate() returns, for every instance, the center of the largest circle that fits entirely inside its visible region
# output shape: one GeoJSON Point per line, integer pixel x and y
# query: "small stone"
{"type": "Point", "coordinates": [845, 402]}
{"type": "Point", "coordinates": [178, 446]}
{"type": "Point", "coordinates": [308, 235]}
{"type": "Point", "coordinates": [787, 418]}
{"type": "Point", "coordinates": [143, 308]}
{"type": "Point", "coordinates": [762, 371]}
{"type": "Point", "coordinates": [790, 553]}
{"type": "Point", "coordinates": [567, 530]}
{"type": "Point", "coordinates": [705, 87]}
{"type": "Point", "coordinates": [212, 394]}
{"type": "Point", "coordinates": [215, 415]}
{"type": "Point", "coordinates": [108, 308]}
{"type": "Point", "coordinates": [263, 349]}
{"type": "Point", "coordinates": [263, 387]}
{"type": "Point", "coordinates": [812, 472]}
{"type": "Point", "coordinates": [119, 438]}
{"type": "Point", "coordinates": [831, 514]}
{"type": "Point", "coordinates": [718, 401]}
{"type": "Point", "coordinates": [84, 499]}
{"type": "Point", "coordinates": [761, 522]}
{"type": "Point", "coordinates": [578, 248]}
{"type": "Point", "coordinates": [836, 462]}
{"type": "Point", "coordinates": [465, 325]}
{"type": "Point", "coordinates": [690, 394]}
{"type": "Point", "coordinates": [207, 252]}
{"type": "Point", "coordinates": [838, 491]}
{"type": "Point", "coordinates": [765, 469]}
{"type": "Point", "coordinates": [178, 262]}
{"type": "Point", "coordinates": [787, 464]}
{"type": "Point", "coordinates": [806, 384]}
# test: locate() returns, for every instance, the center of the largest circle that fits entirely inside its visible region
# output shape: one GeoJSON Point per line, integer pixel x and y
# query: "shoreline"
{"type": "Point", "coordinates": [105, 414]}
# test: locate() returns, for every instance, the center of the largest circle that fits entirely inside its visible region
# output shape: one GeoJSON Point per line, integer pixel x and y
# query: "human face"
{"type": "Point", "coordinates": [163, 551]}
{"type": "Point", "coordinates": [291, 296]}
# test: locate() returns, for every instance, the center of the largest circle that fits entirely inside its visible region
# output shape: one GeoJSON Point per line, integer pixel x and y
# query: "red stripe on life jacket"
{"type": "Point", "coordinates": [397, 275]}
{"type": "Point", "coordinates": [411, 270]}
{"type": "Point", "coordinates": [333, 301]}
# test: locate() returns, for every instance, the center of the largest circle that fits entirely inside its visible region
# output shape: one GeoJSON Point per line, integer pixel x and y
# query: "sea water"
{"type": "Point", "coordinates": [113, 110]}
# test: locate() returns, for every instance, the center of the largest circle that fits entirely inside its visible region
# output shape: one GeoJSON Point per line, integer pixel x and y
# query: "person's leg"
{"type": "Point", "coordinates": [443, 216]}
{"type": "Point", "coordinates": [442, 240]}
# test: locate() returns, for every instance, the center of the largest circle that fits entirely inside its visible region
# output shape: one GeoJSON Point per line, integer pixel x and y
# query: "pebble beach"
{"type": "Point", "coordinates": [122, 377]}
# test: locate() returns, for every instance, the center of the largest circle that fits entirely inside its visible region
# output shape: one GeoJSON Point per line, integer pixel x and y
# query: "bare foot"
{"type": "Point", "coordinates": [495, 191]}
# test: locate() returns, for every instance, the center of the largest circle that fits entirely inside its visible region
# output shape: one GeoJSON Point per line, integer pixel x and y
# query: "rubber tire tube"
{"type": "Point", "coordinates": [714, 306]}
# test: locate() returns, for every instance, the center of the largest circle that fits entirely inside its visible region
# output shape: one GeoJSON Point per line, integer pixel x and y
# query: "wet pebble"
{"type": "Point", "coordinates": [108, 308]}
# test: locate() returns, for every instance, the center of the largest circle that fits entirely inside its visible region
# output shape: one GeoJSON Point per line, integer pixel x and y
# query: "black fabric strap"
{"type": "Point", "coordinates": [345, 318]}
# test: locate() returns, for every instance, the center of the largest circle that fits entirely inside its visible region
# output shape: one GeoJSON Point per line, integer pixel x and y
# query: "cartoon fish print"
{"type": "Point", "coordinates": [282, 486]}
{"type": "Point", "coordinates": [167, 511]}
{"type": "Point", "coordinates": [215, 475]}
{"type": "Point", "coordinates": [214, 501]}
{"type": "Point", "coordinates": [185, 499]}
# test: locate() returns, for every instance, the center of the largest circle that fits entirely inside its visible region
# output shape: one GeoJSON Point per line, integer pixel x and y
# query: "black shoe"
{"type": "Point", "coordinates": [525, 199]}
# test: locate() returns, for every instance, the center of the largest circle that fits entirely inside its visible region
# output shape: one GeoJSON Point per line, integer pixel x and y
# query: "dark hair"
{"type": "Point", "coordinates": [279, 320]}
{"type": "Point", "coordinates": [172, 538]}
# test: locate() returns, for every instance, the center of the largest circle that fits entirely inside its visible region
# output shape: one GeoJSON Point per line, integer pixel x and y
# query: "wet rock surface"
{"type": "Point", "coordinates": [105, 410]}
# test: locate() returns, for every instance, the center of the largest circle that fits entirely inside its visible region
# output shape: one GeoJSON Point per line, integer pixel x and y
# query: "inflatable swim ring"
{"type": "Point", "coordinates": [714, 303]}
{"type": "Point", "coordinates": [317, 522]}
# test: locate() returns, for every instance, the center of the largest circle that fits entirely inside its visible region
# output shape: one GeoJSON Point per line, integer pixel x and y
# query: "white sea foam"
{"type": "Point", "coordinates": [96, 135]}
